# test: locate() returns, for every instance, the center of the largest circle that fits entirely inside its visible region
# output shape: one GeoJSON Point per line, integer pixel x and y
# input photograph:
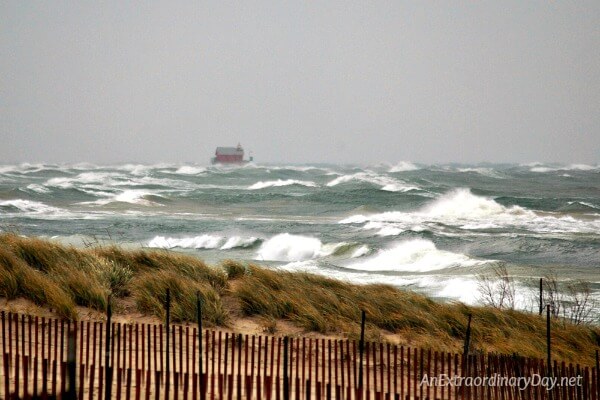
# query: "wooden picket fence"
{"type": "Point", "coordinates": [145, 361]}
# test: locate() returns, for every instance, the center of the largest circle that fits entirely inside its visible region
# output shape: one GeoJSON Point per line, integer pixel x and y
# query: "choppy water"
{"type": "Point", "coordinates": [431, 228]}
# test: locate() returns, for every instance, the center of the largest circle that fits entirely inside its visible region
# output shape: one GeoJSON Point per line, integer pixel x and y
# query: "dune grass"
{"type": "Point", "coordinates": [62, 277]}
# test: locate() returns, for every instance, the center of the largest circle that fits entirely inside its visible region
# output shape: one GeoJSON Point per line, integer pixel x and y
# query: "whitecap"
{"type": "Point", "coordinates": [196, 242]}
{"type": "Point", "coordinates": [465, 210]}
{"type": "Point", "coordinates": [239, 242]}
{"type": "Point", "coordinates": [417, 255]}
{"type": "Point", "coordinates": [30, 207]}
{"type": "Point", "coordinates": [190, 170]}
{"type": "Point", "coordinates": [133, 196]}
{"type": "Point", "coordinates": [385, 182]}
{"type": "Point", "coordinates": [360, 251]}
{"type": "Point", "coordinates": [287, 247]}
{"type": "Point", "coordinates": [403, 166]}
{"type": "Point", "coordinates": [279, 183]}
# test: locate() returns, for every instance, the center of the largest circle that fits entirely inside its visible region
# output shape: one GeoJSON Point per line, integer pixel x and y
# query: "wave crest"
{"type": "Point", "coordinates": [403, 166]}
{"type": "Point", "coordinates": [287, 247]}
{"type": "Point", "coordinates": [416, 255]}
{"type": "Point", "coordinates": [280, 182]}
{"type": "Point", "coordinates": [385, 182]}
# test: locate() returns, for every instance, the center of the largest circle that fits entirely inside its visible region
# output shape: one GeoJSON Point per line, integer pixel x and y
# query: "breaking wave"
{"type": "Point", "coordinates": [190, 170]}
{"type": "Point", "coordinates": [239, 242]}
{"type": "Point", "coordinates": [287, 247]}
{"type": "Point", "coordinates": [418, 255]}
{"type": "Point", "coordinates": [386, 183]}
{"type": "Point", "coordinates": [207, 241]}
{"type": "Point", "coordinates": [28, 207]}
{"type": "Point", "coordinates": [488, 172]}
{"type": "Point", "coordinates": [572, 167]}
{"type": "Point", "coordinates": [457, 204]}
{"type": "Point", "coordinates": [403, 166]}
{"type": "Point", "coordinates": [462, 208]}
{"type": "Point", "coordinates": [139, 197]}
{"type": "Point", "coordinates": [280, 182]}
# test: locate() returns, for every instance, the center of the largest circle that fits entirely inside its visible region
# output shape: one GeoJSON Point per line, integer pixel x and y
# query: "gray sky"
{"type": "Point", "coordinates": [345, 82]}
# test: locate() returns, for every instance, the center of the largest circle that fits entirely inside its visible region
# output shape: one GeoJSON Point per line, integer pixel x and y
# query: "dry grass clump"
{"type": "Point", "coordinates": [233, 269]}
{"type": "Point", "coordinates": [150, 295]}
{"type": "Point", "coordinates": [17, 279]}
{"type": "Point", "coordinates": [116, 277]}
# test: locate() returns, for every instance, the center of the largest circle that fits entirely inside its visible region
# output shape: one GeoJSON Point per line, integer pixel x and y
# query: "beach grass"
{"type": "Point", "coordinates": [62, 277]}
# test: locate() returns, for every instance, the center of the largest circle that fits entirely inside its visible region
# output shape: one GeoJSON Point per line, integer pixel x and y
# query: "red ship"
{"type": "Point", "coordinates": [230, 155]}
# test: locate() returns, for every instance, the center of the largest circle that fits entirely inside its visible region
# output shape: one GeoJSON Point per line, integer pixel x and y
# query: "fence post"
{"type": "Point", "coordinates": [597, 371]}
{"type": "Point", "coordinates": [200, 348]}
{"type": "Point", "coordinates": [71, 357]}
{"type": "Point", "coordinates": [286, 387]}
{"type": "Point", "coordinates": [541, 296]}
{"type": "Point", "coordinates": [167, 358]}
{"type": "Point", "coordinates": [107, 368]}
{"type": "Point", "coordinates": [361, 348]}
{"type": "Point", "coordinates": [467, 338]}
{"type": "Point", "coordinates": [549, 365]}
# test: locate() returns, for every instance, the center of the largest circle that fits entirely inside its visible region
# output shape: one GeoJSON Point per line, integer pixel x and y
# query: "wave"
{"type": "Point", "coordinates": [287, 247]}
{"type": "Point", "coordinates": [403, 166]}
{"type": "Point", "coordinates": [487, 172]}
{"type": "Point", "coordinates": [279, 183]}
{"type": "Point", "coordinates": [461, 203]}
{"type": "Point", "coordinates": [457, 204]}
{"type": "Point", "coordinates": [571, 167]}
{"type": "Point", "coordinates": [29, 207]}
{"type": "Point", "coordinates": [384, 229]}
{"type": "Point", "coordinates": [190, 170]}
{"type": "Point", "coordinates": [579, 206]}
{"type": "Point", "coordinates": [86, 178]}
{"type": "Point", "coordinates": [139, 197]}
{"type": "Point", "coordinates": [107, 180]}
{"type": "Point", "coordinates": [239, 242]}
{"type": "Point", "coordinates": [206, 241]}
{"type": "Point", "coordinates": [418, 255]}
{"type": "Point", "coordinates": [196, 242]}
{"type": "Point", "coordinates": [360, 251]}
{"type": "Point", "coordinates": [467, 211]}
{"type": "Point", "coordinates": [38, 188]}
{"type": "Point", "coordinates": [386, 183]}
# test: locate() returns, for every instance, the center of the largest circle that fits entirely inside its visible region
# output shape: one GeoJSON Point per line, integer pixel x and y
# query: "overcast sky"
{"type": "Point", "coordinates": [343, 82]}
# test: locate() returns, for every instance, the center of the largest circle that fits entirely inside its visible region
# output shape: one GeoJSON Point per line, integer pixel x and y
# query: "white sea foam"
{"type": "Point", "coordinates": [360, 251]}
{"type": "Point", "coordinates": [488, 172]}
{"type": "Point", "coordinates": [136, 169]}
{"type": "Point", "coordinates": [34, 187]}
{"type": "Point", "coordinates": [205, 241]}
{"type": "Point", "coordinates": [417, 255]}
{"type": "Point", "coordinates": [31, 207]}
{"type": "Point", "coordinates": [542, 169]}
{"type": "Point", "coordinates": [287, 247]}
{"type": "Point", "coordinates": [571, 167]}
{"type": "Point", "coordinates": [190, 170]}
{"type": "Point", "coordinates": [403, 166]}
{"type": "Point", "coordinates": [385, 182]}
{"type": "Point", "coordinates": [463, 204]}
{"type": "Point", "coordinates": [196, 242]}
{"type": "Point", "coordinates": [239, 242]}
{"type": "Point", "coordinates": [84, 178]}
{"type": "Point", "coordinates": [132, 196]}
{"type": "Point", "coordinates": [280, 182]}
